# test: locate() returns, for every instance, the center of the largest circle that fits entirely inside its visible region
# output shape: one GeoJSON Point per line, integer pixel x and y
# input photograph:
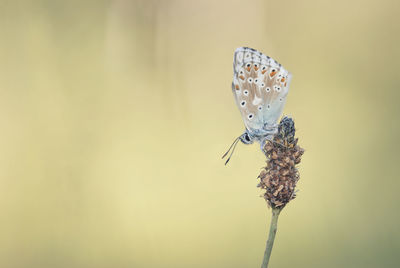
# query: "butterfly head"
{"type": "Point", "coordinates": [246, 138]}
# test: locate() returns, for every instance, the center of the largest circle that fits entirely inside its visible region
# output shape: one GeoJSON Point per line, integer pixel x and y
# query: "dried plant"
{"type": "Point", "coordinates": [280, 175]}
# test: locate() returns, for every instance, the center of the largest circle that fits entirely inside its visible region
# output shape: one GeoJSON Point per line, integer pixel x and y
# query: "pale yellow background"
{"type": "Point", "coordinates": [114, 115]}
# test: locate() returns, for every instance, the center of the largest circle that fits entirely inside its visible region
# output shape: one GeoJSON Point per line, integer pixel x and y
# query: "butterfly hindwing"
{"type": "Point", "coordinates": [260, 86]}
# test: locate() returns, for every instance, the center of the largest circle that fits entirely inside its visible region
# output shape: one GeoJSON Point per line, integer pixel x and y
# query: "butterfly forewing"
{"type": "Point", "coordinates": [260, 86]}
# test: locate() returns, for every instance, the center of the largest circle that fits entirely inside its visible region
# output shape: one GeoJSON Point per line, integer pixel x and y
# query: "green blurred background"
{"type": "Point", "coordinates": [114, 115]}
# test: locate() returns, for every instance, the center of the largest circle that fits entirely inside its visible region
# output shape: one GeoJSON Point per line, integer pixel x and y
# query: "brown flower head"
{"type": "Point", "coordinates": [280, 176]}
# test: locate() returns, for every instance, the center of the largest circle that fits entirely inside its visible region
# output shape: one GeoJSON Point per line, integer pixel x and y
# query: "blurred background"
{"type": "Point", "coordinates": [114, 116]}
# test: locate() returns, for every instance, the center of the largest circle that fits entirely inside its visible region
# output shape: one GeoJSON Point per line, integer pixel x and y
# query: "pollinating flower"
{"type": "Point", "coordinates": [280, 176]}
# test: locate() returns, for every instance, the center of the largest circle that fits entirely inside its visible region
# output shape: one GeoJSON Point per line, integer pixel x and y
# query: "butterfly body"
{"type": "Point", "coordinates": [260, 86]}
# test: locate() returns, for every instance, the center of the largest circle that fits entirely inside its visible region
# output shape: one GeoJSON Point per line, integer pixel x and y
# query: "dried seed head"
{"type": "Point", "coordinates": [280, 176]}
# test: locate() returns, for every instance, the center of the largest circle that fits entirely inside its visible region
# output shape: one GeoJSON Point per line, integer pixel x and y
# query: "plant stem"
{"type": "Point", "coordinates": [271, 237]}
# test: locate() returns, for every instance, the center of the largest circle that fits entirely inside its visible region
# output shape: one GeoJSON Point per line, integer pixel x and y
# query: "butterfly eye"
{"type": "Point", "coordinates": [246, 92]}
{"type": "Point", "coordinates": [262, 84]}
{"type": "Point", "coordinates": [241, 72]}
{"type": "Point", "coordinates": [250, 116]}
{"type": "Point", "coordinates": [256, 81]}
{"type": "Point", "coordinates": [260, 108]}
{"type": "Point", "coordinates": [268, 89]}
{"type": "Point", "coordinates": [250, 80]}
{"type": "Point", "coordinates": [248, 65]}
{"type": "Point", "coordinates": [243, 103]}
{"type": "Point", "coordinates": [268, 106]}
{"type": "Point", "coordinates": [280, 99]}
{"type": "Point", "coordinates": [247, 55]}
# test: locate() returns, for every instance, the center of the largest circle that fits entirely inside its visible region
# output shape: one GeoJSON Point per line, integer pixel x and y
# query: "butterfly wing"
{"type": "Point", "coordinates": [260, 86]}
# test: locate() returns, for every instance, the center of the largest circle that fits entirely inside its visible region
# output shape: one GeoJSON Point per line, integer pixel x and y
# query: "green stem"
{"type": "Point", "coordinates": [271, 237]}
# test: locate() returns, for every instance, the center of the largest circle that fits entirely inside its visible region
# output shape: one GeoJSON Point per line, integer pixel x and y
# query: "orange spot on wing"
{"type": "Point", "coordinates": [283, 80]}
{"type": "Point", "coordinates": [241, 77]}
{"type": "Point", "coordinates": [285, 84]}
{"type": "Point", "coordinates": [248, 69]}
{"type": "Point", "coordinates": [256, 68]}
{"type": "Point", "coordinates": [263, 72]}
{"type": "Point", "coordinates": [237, 87]}
{"type": "Point", "coordinates": [272, 74]}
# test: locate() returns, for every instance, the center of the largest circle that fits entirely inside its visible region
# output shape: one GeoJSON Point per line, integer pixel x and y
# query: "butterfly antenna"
{"type": "Point", "coordinates": [235, 142]}
{"type": "Point", "coordinates": [230, 148]}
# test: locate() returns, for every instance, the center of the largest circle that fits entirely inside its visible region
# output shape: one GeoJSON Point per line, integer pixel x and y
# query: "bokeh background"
{"type": "Point", "coordinates": [114, 116]}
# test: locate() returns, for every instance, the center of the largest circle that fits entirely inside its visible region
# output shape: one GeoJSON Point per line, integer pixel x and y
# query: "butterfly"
{"type": "Point", "coordinates": [260, 86]}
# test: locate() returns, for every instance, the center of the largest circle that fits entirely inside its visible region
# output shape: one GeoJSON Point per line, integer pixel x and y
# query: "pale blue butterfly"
{"type": "Point", "coordinates": [260, 86]}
